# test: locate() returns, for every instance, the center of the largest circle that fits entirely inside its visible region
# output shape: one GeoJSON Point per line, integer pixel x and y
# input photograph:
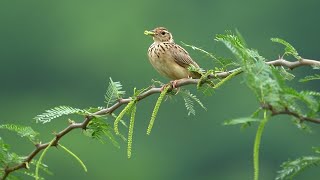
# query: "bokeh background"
{"type": "Point", "coordinates": [63, 52]}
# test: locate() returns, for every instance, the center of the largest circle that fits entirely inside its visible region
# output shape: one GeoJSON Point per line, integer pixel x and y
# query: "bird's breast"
{"type": "Point", "coordinates": [163, 61]}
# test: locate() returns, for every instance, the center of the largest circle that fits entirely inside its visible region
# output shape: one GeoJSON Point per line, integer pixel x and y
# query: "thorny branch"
{"type": "Point", "coordinates": [289, 112]}
{"type": "Point", "coordinates": [154, 90]}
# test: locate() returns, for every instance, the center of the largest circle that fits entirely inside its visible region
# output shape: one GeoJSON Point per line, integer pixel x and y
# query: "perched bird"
{"type": "Point", "coordinates": [168, 58]}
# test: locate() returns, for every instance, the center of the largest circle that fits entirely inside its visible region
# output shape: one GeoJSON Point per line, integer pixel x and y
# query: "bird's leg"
{"type": "Point", "coordinates": [173, 84]}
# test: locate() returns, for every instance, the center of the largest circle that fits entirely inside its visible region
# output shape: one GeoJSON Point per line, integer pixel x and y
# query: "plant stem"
{"type": "Point", "coordinates": [256, 146]}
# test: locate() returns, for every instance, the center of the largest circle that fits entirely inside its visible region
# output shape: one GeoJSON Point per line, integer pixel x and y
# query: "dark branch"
{"type": "Point", "coordinates": [286, 111]}
{"type": "Point", "coordinates": [180, 83]}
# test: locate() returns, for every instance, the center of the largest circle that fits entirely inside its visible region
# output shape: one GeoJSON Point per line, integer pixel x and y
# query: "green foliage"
{"type": "Point", "coordinates": [32, 175]}
{"type": "Point", "coordinates": [302, 126]}
{"type": "Point", "coordinates": [233, 43]}
{"type": "Point", "coordinates": [289, 49]}
{"type": "Point", "coordinates": [156, 108]}
{"type": "Point", "coordinates": [130, 132]}
{"type": "Point", "coordinates": [221, 62]}
{"type": "Point", "coordinates": [233, 74]}
{"type": "Point", "coordinates": [256, 146]}
{"type": "Point", "coordinates": [245, 121]}
{"type": "Point", "coordinates": [121, 114]}
{"type": "Point", "coordinates": [41, 166]}
{"type": "Point", "coordinates": [292, 168]}
{"type": "Point", "coordinates": [310, 78]}
{"type": "Point", "coordinates": [285, 74]}
{"type": "Point", "coordinates": [75, 156]}
{"type": "Point", "coordinates": [189, 100]}
{"type": "Point", "coordinates": [201, 50]}
{"type": "Point", "coordinates": [114, 92]}
{"type": "Point", "coordinates": [267, 82]}
{"type": "Point", "coordinates": [39, 162]}
{"type": "Point", "coordinates": [22, 131]}
{"type": "Point", "coordinates": [269, 85]}
{"type": "Point", "coordinates": [98, 128]}
{"type": "Point", "coordinates": [58, 112]}
{"type": "Point", "coordinates": [7, 158]}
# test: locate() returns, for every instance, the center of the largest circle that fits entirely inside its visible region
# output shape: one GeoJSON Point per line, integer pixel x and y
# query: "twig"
{"type": "Point", "coordinates": [180, 83]}
{"type": "Point", "coordinates": [294, 64]}
{"type": "Point", "coordinates": [289, 112]}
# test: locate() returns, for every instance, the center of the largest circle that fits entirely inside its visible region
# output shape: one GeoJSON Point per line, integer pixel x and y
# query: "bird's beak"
{"type": "Point", "coordinates": [151, 33]}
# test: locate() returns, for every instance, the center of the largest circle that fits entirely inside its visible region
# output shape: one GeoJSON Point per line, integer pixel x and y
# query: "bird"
{"type": "Point", "coordinates": [168, 58]}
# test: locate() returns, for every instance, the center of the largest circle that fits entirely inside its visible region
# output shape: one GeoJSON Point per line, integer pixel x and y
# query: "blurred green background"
{"type": "Point", "coordinates": [63, 52]}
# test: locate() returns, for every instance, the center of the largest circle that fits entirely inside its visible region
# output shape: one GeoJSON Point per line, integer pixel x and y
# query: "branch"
{"type": "Point", "coordinates": [154, 90]}
{"type": "Point", "coordinates": [289, 112]}
{"type": "Point", "coordinates": [295, 64]}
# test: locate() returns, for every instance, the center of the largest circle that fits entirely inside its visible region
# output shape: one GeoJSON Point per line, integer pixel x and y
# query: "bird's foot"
{"type": "Point", "coordinates": [173, 85]}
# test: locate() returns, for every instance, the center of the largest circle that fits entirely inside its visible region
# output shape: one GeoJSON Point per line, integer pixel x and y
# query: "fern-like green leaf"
{"type": "Point", "coordinates": [189, 105]}
{"type": "Point", "coordinates": [233, 43]}
{"type": "Point", "coordinates": [311, 93]}
{"type": "Point", "coordinates": [23, 131]}
{"type": "Point", "coordinates": [236, 44]}
{"type": "Point", "coordinates": [98, 129]}
{"type": "Point", "coordinates": [189, 100]}
{"type": "Point", "coordinates": [58, 112]}
{"type": "Point", "coordinates": [285, 74]}
{"type": "Point", "coordinates": [114, 92]}
{"type": "Point", "coordinates": [310, 78]}
{"type": "Point", "coordinates": [240, 37]}
{"type": "Point", "coordinates": [242, 121]}
{"type": "Point", "coordinates": [289, 49]}
{"type": "Point", "coordinates": [291, 168]}
{"type": "Point", "coordinates": [223, 62]}
{"type": "Point", "coordinates": [6, 157]}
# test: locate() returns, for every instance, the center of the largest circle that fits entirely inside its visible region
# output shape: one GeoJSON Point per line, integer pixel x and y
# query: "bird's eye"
{"type": "Point", "coordinates": [163, 32]}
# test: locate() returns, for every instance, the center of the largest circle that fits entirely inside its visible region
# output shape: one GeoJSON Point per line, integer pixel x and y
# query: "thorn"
{"type": "Point", "coordinates": [71, 121]}
{"type": "Point", "coordinates": [26, 165]}
{"type": "Point", "coordinates": [38, 144]}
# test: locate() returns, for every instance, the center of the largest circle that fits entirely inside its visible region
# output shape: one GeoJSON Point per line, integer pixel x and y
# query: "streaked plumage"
{"type": "Point", "coordinates": [168, 58]}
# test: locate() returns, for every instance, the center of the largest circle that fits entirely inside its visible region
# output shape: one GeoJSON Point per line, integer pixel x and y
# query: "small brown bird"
{"type": "Point", "coordinates": [168, 58]}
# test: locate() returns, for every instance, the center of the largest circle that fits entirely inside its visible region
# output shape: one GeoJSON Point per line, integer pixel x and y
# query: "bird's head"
{"type": "Point", "coordinates": [160, 34]}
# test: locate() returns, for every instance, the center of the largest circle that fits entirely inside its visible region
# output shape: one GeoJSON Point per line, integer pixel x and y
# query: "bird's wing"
{"type": "Point", "coordinates": [181, 57]}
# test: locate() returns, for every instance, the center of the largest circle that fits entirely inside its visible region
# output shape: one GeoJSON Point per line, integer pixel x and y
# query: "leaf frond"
{"type": "Point", "coordinates": [98, 128]}
{"type": "Point", "coordinates": [189, 100]}
{"type": "Point", "coordinates": [56, 112]}
{"type": "Point", "coordinates": [310, 78]}
{"type": "Point", "coordinates": [292, 168]}
{"type": "Point", "coordinates": [114, 92]}
{"type": "Point", "coordinates": [289, 49]}
{"type": "Point", "coordinates": [22, 131]}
